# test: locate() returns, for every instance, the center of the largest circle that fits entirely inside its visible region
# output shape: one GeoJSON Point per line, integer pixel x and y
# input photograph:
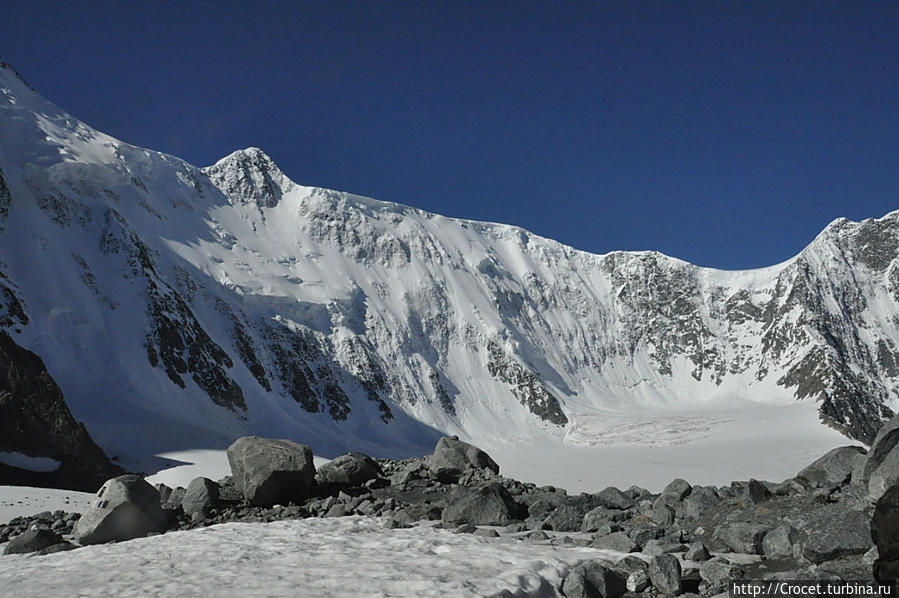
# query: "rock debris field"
{"type": "Point", "coordinates": [449, 524]}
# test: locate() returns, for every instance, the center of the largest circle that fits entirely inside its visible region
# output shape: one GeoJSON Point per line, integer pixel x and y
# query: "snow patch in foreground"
{"type": "Point", "coordinates": [349, 556]}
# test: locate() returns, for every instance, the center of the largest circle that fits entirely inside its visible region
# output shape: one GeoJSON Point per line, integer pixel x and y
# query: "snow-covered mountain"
{"type": "Point", "coordinates": [179, 307]}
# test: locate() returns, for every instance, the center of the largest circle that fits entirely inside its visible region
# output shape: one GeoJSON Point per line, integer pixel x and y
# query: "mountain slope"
{"type": "Point", "coordinates": [206, 303]}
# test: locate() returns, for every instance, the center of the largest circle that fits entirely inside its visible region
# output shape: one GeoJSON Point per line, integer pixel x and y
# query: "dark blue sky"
{"type": "Point", "coordinates": [725, 134]}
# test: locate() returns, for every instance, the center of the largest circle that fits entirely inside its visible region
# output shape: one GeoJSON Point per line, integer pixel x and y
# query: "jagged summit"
{"type": "Point", "coordinates": [249, 175]}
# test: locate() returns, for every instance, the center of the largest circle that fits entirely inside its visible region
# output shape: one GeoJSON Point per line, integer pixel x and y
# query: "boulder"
{"type": "Point", "coordinates": [595, 519]}
{"type": "Point", "coordinates": [351, 470]}
{"type": "Point", "coordinates": [779, 543]}
{"type": "Point", "coordinates": [700, 500]}
{"type": "Point", "coordinates": [835, 467]}
{"type": "Point", "coordinates": [200, 496]}
{"type": "Point", "coordinates": [565, 518]}
{"type": "Point", "coordinates": [590, 579]}
{"type": "Point", "coordinates": [743, 537]}
{"type": "Point", "coordinates": [126, 507]}
{"type": "Point", "coordinates": [665, 574]}
{"type": "Point", "coordinates": [618, 541]}
{"type": "Point", "coordinates": [826, 537]}
{"type": "Point", "coordinates": [882, 466]}
{"type": "Point", "coordinates": [613, 498]}
{"type": "Point", "coordinates": [637, 581]}
{"type": "Point", "coordinates": [697, 552]}
{"type": "Point", "coordinates": [271, 471]}
{"type": "Point", "coordinates": [717, 572]}
{"type": "Point", "coordinates": [679, 489]}
{"type": "Point", "coordinates": [489, 504]}
{"type": "Point", "coordinates": [885, 534]}
{"type": "Point", "coordinates": [452, 456]}
{"type": "Point", "coordinates": [751, 492]}
{"type": "Point", "coordinates": [33, 541]}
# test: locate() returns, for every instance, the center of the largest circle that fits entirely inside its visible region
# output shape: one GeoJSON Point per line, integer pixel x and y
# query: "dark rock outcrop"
{"type": "Point", "coordinates": [452, 457]}
{"type": "Point", "coordinates": [35, 421]}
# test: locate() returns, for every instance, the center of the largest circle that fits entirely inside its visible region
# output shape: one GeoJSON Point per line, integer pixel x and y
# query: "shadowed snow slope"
{"type": "Point", "coordinates": [179, 308]}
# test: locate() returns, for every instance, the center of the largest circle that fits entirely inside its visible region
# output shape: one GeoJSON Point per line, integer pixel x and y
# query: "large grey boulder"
{"type": "Point", "coordinates": [271, 471]}
{"type": "Point", "coordinates": [885, 534]}
{"type": "Point", "coordinates": [348, 471]}
{"type": "Point", "coordinates": [200, 497]}
{"type": "Point", "coordinates": [452, 457]}
{"type": "Point", "coordinates": [590, 579]}
{"type": "Point", "coordinates": [717, 572]}
{"type": "Point", "coordinates": [489, 504]}
{"type": "Point", "coordinates": [613, 498]}
{"type": "Point", "coordinates": [882, 467]}
{"type": "Point", "coordinates": [743, 537]}
{"type": "Point", "coordinates": [826, 537]}
{"type": "Point", "coordinates": [700, 500]}
{"type": "Point", "coordinates": [618, 541]}
{"type": "Point", "coordinates": [126, 507]}
{"type": "Point", "coordinates": [835, 467]}
{"type": "Point", "coordinates": [678, 488]}
{"type": "Point", "coordinates": [665, 574]}
{"type": "Point", "coordinates": [780, 542]}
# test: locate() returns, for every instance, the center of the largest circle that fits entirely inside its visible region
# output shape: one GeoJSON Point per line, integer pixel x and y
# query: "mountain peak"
{"type": "Point", "coordinates": [250, 176]}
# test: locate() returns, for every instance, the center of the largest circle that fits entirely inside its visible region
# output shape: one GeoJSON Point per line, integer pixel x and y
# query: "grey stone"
{"type": "Point", "coordinates": [743, 537]}
{"type": "Point", "coordinates": [631, 562]}
{"type": "Point", "coordinates": [618, 541]}
{"type": "Point", "coordinates": [679, 489]}
{"type": "Point", "coordinates": [637, 581]}
{"type": "Point", "coordinates": [827, 538]}
{"type": "Point", "coordinates": [595, 519]}
{"type": "Point", "coordinates": [835, 467]}
{"type": "Point", "coordinates": [780, 542]}
{"type": "Point", "coordinates": [885, 535]}
{"type": "Point", "coordinates": [697, 552]}
{"type": "Point", "coordinates": [164, 493]}
{"type": "Point", "coordinates": [126, 507]}
{"type": "Point", "coordinates": [717, 572]}
{"type": "Point", "coordinates": [486, 532]}
{"type": "Point", "coordinates": [566, 518]}
{"type": "Point", "coordinates": [32, 541]}
{"type": "Point", "coordinates": [174, 501]}
{"type": "Point", "coordinates": [200, 496]}
{"type": "Point", "coordinates": [882, 466]}
{"type": "Point", "coordinates": [665, 573]}
{"type": "Point", "coordinates": [613, 498]}
{"type": "Point", "coordinates": [451, 457]}
{"type": "Point", "coordinates": [590, 579]}
{"type": "Point", "coordinates": [700, 500]}
{"type": "Point", "coordinates": [271, 471]}
{"type": "Point", "coordinates": [489, 504]}
{"type": "Point", "coordinates": [537, 536]}
{"type": "Point", "coordinates": [351, 470]}
{"type": "Point", "coordinates": [751, 492]}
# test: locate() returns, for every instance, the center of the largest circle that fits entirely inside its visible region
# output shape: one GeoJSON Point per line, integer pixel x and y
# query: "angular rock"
{"type": "Point", "coordinates": [679, 489]}
{"type": "Point", "coordinates": [33, 541]}
{"type": "Point", "coordinates": [700, 500]}
{"type": "Point", "coordinates": [452, 457]}
{"type": "Point", "coordinates": [175, 498]}
{"type": "Point", "coordinates": [697, 552]}
{"type": "Point", "coordinates": [718, 572]}
{"type": "Point", "coordinates": [618, 541]}
{"type": "Point", "coordinates": [164, 493]}
{"type": "Point", "coordinates": [593, 580]}
{"type": "Point", "coordinates": [882, 466]}
{"type": "Point", "coordinates": [637, 581]}
{"type": "Point", "coordinates": [885, 534]}
{"type": "Point", "coordinates": [594, 519]}
{"type": "Point", "coordinates": [566, 518]}
{"type": "Point", "coordinates": [743, 537]}
{"type": "Point", "coordinates": [490, 504]}
{"type": "Point", "coordinates": [827, 538]}
{"type": "Point", "coordinates": [126, 507]}
{"type": "Point", "coordinates": [351, 470]}
{"type": "Point", "coordinates": [780, 542]}
{"type": "Point", "coordinates": [665, 573]}
{"type": "Point", "coordinates": [835, 467]}
{"type": "Point", "coordinates": [271, 471]}
{"type": "Point", "coordinates": [200, 496]}
{"type": "Point", "coordinates": [751, 492]}
{"type": "Point", "coordinates": [613, 498]}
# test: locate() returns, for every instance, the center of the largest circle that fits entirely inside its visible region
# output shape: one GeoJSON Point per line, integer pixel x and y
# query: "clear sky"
{"type": "Point", "coordinates": [727, 134]}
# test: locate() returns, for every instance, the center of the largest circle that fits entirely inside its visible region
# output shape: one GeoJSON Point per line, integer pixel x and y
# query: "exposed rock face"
{"type": "Point", "coordinates": [35, 420]}
{"type": "Point", "coordinates": [592, 580]}
{"type": "Point", "coordinates": [126, 507]}
{"type": "Point", "coordinates": [199, 497]}
{"type": "Point", "coordinates": [269, 471]}
{"type": "Point", "coordinates": [885, 534]}
{"type": "Point", "coordinates": [490, 504]}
